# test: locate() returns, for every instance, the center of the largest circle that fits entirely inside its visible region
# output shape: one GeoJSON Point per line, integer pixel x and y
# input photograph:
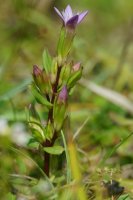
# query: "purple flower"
{"type": "Point", "coordinates": [63, 95]}
{"type": "Point", "coordinates": [69, 18]}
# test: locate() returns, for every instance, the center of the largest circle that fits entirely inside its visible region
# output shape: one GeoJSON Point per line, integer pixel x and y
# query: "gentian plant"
{"type": "Point", "coordinates": [51, 87]}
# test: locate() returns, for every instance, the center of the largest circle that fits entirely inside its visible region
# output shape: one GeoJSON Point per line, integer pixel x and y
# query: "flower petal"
{"type": "Point", "coordinates": [69, 12]}
{"type": "Point", "coordinates": [82, 15]}
{"type": "Point", "coordinates": [65, 16]}
{"type": "Point", "coordinates": [59, 13]}
{"type": "Point", "coordinates": [71, 23]}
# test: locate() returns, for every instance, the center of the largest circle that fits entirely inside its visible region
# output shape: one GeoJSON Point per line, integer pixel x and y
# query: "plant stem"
{"type": "Point", "coordinates": [46, 163]}
{"type": "Point", "coordinates": [48, 143]}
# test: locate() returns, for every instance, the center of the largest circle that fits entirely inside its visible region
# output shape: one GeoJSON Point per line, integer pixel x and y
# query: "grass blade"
{"type": "Point", "coordinates": [112, 151]}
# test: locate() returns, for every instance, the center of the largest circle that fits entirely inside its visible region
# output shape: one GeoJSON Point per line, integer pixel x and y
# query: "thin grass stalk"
{"type": "Point", "coordinates": [76, 171]}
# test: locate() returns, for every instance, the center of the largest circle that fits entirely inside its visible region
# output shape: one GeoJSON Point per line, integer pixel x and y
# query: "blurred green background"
{"type": "Point", "coordinates": [103, 45]}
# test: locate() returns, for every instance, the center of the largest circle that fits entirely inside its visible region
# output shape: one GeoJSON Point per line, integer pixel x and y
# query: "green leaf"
{"type": "Point", "coordinates": [38, 135]}
{"type": "Point", "coordinates": [47, 61]}
{"type": "Point", "coordinates": [74, 78]}
{"type": "Point", "coordinates": [25, 155]}
{"type": "Point", "coordinates": [33, 113]}
{"type": "Point", "coordinates": [40, 99]}
{"type": "Point", "coordinates": [65, 74]}
{"type": "Point", "coordinates": [55, 150]}
{"type": "Point", "coordinates": [33, 143]}
{"type": "Point", "coordinates": [124, 197]}
{"type": "Point", "coordinates": [10, 196]}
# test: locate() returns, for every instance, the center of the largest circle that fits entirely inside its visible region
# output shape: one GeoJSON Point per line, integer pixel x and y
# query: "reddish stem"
{"type": "Point", "coordinates": [48, 143]}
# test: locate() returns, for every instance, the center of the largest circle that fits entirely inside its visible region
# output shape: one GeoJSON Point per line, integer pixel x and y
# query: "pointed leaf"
{"type": "Point", "coordinates": [47, 61]}
{"type": "Point", "coordinates": [33, 143]}
{"type": "Point", "coordinates": [124, 197]}
{"type": "Point", "coordinates": [40, 99]}
{"type": "Point", "coordinates": [33, 113]}
{"type": "Point", "coordinates": [55, 150]}
{"type": "Point", "coordinates": [74, 78]}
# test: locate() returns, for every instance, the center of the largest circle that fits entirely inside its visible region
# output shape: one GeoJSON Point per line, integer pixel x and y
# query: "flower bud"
{"type": "Point", "coordinates": [37, 75]}
{"type": "Point", "coordinates": [41, 79]}
{"type": "Point", "coordinates": [36, 71]}
{"type": "Point", "coordinates": [76, 67]}
{"type": "Point", "coordinates": [63, 95]}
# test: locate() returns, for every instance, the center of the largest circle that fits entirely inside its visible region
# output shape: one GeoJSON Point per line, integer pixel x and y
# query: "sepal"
{"type": "Point", "coordinates": [49, 131]}
{"type": "Point", "coordinates": [59, 114]}
{"type": "Point", "coordinates": [75, 76]}
{"type": "Point", "coordinates": [47, 62]}
{"type": "Point", "coordinates": [65, 43]}
{"type": "Point", "coordinates": [37, 132]}
{"type": "Point", "coordinates": [39, 97]}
